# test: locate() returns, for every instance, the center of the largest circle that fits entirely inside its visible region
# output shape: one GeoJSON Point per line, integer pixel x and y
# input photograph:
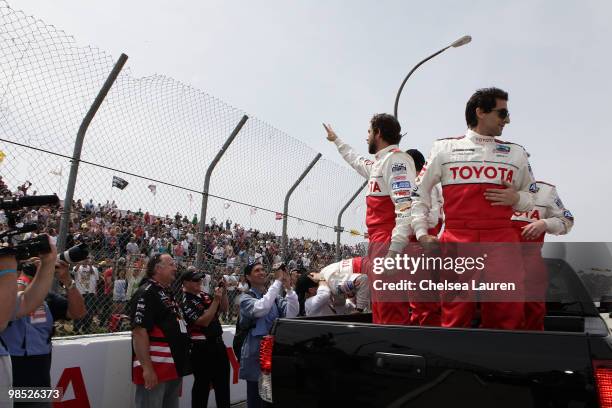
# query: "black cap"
{"type": "Point", "coordinates": [192, 276]}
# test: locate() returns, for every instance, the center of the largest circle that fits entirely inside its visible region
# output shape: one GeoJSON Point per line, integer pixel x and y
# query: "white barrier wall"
{"type": "Point", "coordinates": [95, 371]}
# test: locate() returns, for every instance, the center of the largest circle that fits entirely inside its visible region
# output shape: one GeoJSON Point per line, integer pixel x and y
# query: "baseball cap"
{"type": "Point", "coordinates": [249, 268]}
{"type": "Point", "coordinates": [192, 276]}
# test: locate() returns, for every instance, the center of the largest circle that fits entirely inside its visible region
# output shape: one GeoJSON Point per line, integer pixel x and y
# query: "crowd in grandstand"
{"type": "Point", "coordinates": [122, 241]}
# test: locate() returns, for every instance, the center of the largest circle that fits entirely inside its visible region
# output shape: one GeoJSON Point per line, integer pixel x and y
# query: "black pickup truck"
{"type": "Point", "coordinates": [346, 361]}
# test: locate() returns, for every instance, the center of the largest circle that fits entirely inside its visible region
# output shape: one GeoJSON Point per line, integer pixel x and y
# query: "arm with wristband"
{"type": "Point", "coordinates": [8, 289]}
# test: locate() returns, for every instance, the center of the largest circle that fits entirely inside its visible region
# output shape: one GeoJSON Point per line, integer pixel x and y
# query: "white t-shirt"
{"type": "Point", "coordinates": [218, 252]}
{"type": "Point", "coordinates": [206, 283]}
{"type": "Point", "coordinates": [318, 305]}
{"type": "Point", "coordinates": [85, 279]}
{"type": "Point", "coordinates": [120, 290]}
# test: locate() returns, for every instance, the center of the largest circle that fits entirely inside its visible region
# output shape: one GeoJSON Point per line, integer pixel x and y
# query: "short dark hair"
{"type": "Point", "coordinates": [248, 269]}
{"type": "Point", "coordinates": [418, 158]}
{"type": "Point", "coordinates": [485, 99]}
{"type": "Point", "coordinates": [389, 127]}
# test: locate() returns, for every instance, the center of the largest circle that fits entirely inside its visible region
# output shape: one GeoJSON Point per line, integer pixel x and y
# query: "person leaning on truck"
{"type": "Point", "coordinates": [258, 310]}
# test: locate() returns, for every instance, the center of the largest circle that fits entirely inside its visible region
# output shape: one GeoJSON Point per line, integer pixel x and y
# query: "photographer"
{"type": "Point", "coordinates": [208, 355]}
{"type": "Point", "coordinates": [29, 339]}
{"type": "Point", "coordinates": [26, 302]}
{"type": "Point", "coordinates": [258, 311]}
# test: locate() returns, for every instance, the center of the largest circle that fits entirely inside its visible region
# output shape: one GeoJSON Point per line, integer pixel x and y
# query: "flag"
{"type": "Point", "coordinates": [252, 210]}
{"type": "Point", "coordinates": [153, 188]}
{"type": "Point", "coordinates": [354, 232]}
{"type": "Point", "coordinates": [2, 156]}
{"type": "Point", "coordinates": [279, 216]}
{"type": "Point", "coordinates": [119, 183]}
{"type": "Point", "coordinates": [57, 172]}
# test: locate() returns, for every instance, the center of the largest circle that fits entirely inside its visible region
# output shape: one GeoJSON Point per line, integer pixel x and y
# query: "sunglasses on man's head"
{"type": "Point", "coordinates": [502, 113]}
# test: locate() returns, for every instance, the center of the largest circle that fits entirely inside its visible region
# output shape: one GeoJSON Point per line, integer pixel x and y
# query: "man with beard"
{"type": "Point", "coordinates": [390, 179]}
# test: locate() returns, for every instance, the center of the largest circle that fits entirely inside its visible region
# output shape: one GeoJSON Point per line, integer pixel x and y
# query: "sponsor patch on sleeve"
{"type": "Point", "coordinates": [399, 185]}
{"type": "Point", "coordinates": [398, 168]}
{"type": "Point", "coordinates": [568, 215]}
{"type": "Point", "coordinates": [533, 188]}
{"type": "Point", "coordinates": [559, 203]}
{"type": "Point", "coordinates": [502, 149]}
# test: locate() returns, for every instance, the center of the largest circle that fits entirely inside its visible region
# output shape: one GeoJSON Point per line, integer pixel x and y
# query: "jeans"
{"type": "Point", "coordinates": [163, 395]}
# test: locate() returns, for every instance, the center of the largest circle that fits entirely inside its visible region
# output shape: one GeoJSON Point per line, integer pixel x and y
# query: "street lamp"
{"type": "Point", "coordinates": [457, 43]}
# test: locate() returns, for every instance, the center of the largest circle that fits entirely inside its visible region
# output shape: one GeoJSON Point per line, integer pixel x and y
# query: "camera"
{"type": "Point", "coordinates": [75, 254]}
{"type": "Point", "coordinates": [27, 248]}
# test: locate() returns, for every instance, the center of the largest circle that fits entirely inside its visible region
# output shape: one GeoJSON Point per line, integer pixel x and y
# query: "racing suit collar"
{"type": "Point", "coordinates": [384, 151]}
{"type": "Point", "coordinates": [478, 138]}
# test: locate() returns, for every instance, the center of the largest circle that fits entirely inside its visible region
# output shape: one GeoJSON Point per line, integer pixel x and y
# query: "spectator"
{"type": "Point", "coordinates": [179, 252]}
{"type": "Point", "coordinates": [25, 303]}
{"type": "Point", "coordinates": [119, 293]}
{"type": "Point", "coordinates": [258, 310]}
{"type": "Point", "coordinates": [106, 299]}
{"type": "Point", "coordinates": [209, 356]}
{"type": "Point", "coordinates": [134, 276]}
{"type": "Point", "coordinates": [132, 247]}
{"type": "Point", "coordinates": [155, 313]}
{"type": "Point", "coordinates": [29, 338]}
{"type": "Point", "coordinates": [86, 276]}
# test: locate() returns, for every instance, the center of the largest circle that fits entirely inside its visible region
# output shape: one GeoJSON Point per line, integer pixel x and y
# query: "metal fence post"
{"type": "Point", "coordinates": [213, 164]}
{"type": "Point", "coordinates": [78, 147]}
{"type": "Point", "coordinates": [339, 228]}
{"type": "Point", "coordinates": [286, 206]}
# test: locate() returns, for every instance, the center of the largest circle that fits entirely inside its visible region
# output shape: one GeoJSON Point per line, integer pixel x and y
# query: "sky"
{"type": "Point", "coordinates": [295, 64]}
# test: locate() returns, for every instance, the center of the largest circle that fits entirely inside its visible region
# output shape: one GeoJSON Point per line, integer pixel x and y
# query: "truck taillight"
{"type": "Point", "coordinates": [603, 377]}
{"type": "Point", "coordinates": [265, 363]}
{"type": "Point", "coordinates": [265, 354]}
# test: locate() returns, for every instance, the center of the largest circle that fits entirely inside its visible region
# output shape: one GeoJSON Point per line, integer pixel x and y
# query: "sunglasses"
{"type": "Point", "coordinates": [502, 113]}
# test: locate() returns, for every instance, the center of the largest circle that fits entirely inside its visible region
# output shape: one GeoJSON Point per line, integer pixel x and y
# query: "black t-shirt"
{"type": "Point", "coordinates": [58, 305]}
{"type": "Point", "coordinates": [155, 310]}
{"type": "Point", "coordinates": [194, 306]}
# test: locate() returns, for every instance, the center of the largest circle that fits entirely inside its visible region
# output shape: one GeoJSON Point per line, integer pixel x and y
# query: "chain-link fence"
{"type": "Point", "coordinates": [142, 167]}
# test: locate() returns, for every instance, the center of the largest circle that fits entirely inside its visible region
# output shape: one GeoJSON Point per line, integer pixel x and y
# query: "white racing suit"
{"type": "Point", "coordinates": [559, 221]}
{"type": "Point", "coordinates": [345, 280]}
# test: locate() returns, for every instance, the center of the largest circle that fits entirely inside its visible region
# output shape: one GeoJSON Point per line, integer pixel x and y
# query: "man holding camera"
{"type": "Point", "coordinates": [28, 339]}
{"type": "Point", "coordinates": [25, 303]}
{"type": "Point", "coordinates": [208, 354]}
{"type": "Point", "coordinates": [259, 308]}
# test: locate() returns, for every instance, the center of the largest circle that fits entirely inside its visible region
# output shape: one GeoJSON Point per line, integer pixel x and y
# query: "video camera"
{"type": "Point", "coordinates": [26, 248]}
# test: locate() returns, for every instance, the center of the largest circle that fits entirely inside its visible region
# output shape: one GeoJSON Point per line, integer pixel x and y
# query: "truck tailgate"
{"type": "Point", "coordinates": [322, 363]}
